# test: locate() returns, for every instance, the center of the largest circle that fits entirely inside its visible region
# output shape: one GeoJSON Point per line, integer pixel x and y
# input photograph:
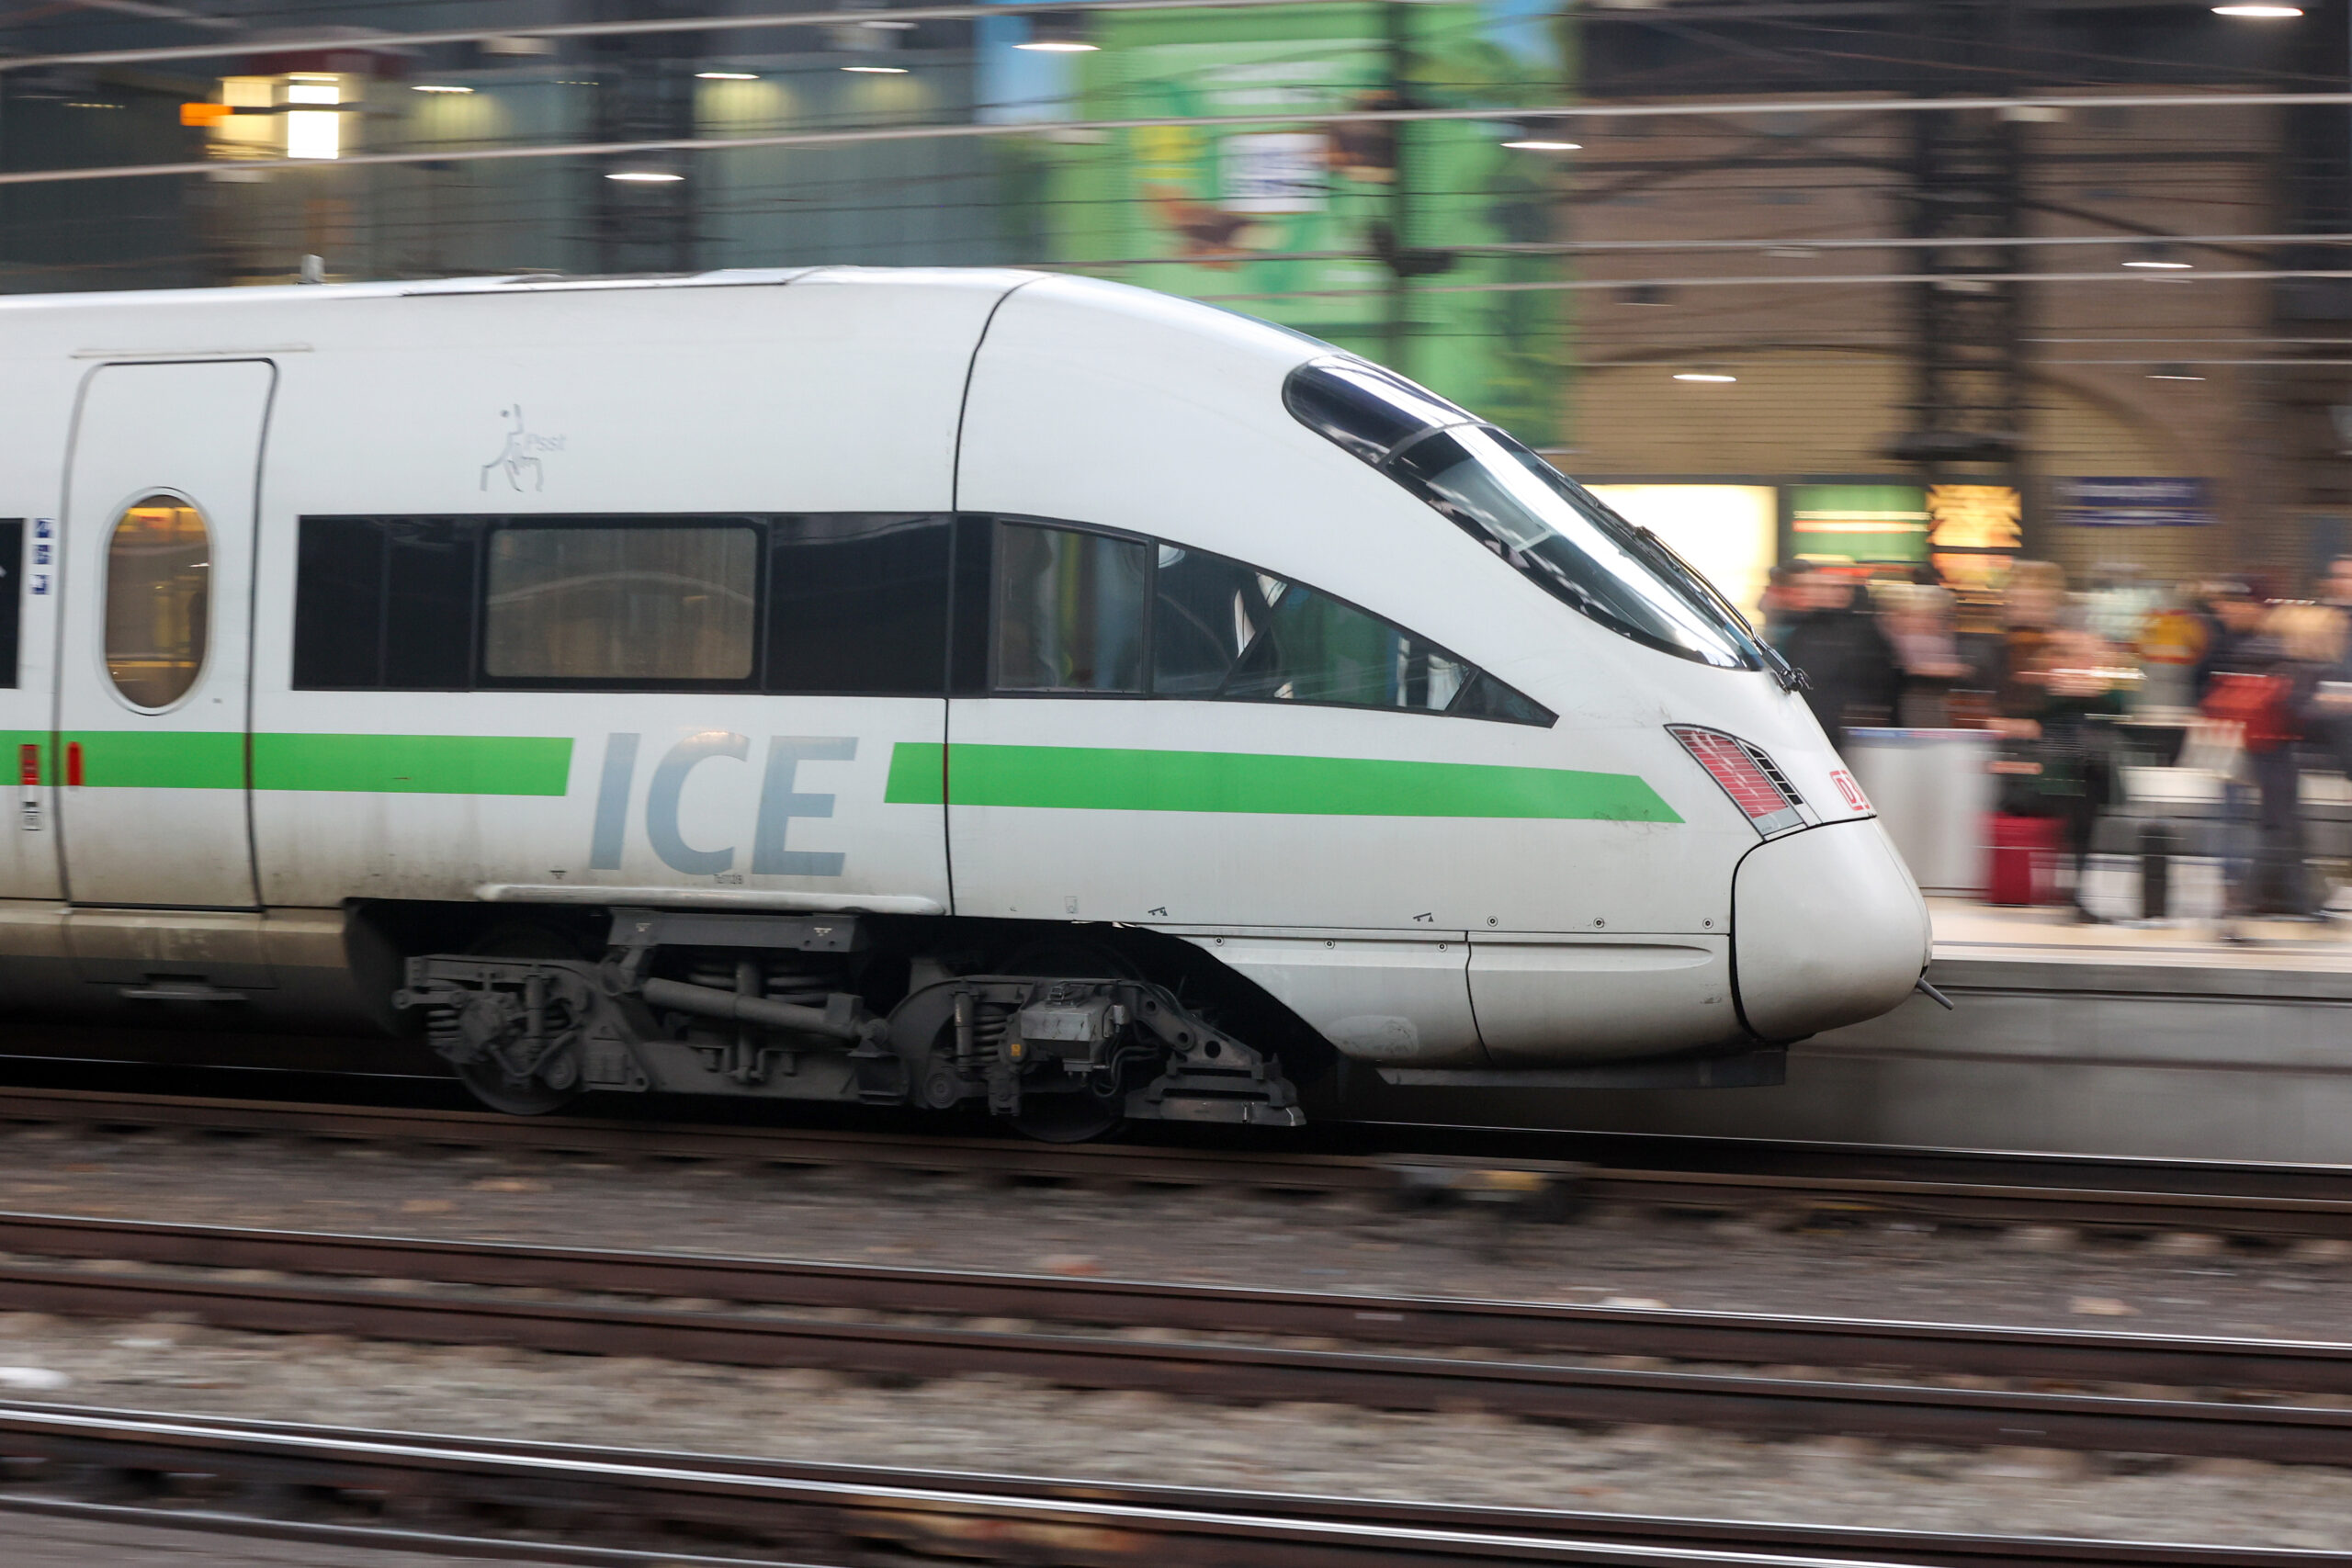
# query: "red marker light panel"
{"type": "Point", "coordinates": [1745, 774]}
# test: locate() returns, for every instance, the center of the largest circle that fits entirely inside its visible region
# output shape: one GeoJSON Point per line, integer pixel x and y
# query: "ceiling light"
{"type": "Point", "coordinates": [2158, 257]}
{"type": "Point", "coordinates": [2270, 11]}
{"type": "Point", "coordinates": [438, 87]}
{"type": "Point", "coordinates": [1718, 376]}
{"type": "Point", "coordinates": [1052, 34]}
{"type": "Point", "coordinates": [645, 177]}
{"type": "Point", "coordinates": [2173, 373]}
{"type": "Point", "coordinates": [313, 93]}
{"type": "Point", "coordinates": [314, 133]}
{"type": "Point", "coordinates": [876, 70]}
{"type": "Point", "coordinates": [1544, 133]}
{"type": "Point", "coordinates": [726, 76]}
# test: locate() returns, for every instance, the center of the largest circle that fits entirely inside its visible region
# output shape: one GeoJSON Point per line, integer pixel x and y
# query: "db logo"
{"type": "Point", "coordinates": [1850, 789]}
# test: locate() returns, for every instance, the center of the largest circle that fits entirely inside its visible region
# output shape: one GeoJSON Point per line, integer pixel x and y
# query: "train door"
{"type": "Point", "coordinates": [152, 689]}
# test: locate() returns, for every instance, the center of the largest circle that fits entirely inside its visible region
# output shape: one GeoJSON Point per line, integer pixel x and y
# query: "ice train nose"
{"type": "Point", "coordinates": [1827, 929]}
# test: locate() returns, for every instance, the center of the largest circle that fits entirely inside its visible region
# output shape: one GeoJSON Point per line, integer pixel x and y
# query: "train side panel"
{"type": "Point", "coordinates": [811, 396]}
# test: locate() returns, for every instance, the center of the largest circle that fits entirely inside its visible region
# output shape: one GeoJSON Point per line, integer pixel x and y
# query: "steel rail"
{"type": "Point", "coordinates": [1974, 1187]}
{"type": "Point", "coordinates": [1753, 1338]}
{"type": "Point", "coordinates": [1238, 1372]}
{"type": "Point", "coordinates": [348, 1539]}
{"type": "Point", "coordinates": [996, 1516]}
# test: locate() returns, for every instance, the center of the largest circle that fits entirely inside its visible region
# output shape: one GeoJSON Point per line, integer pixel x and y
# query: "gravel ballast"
{"type": "Point", "coordinates": [1859, 1265]}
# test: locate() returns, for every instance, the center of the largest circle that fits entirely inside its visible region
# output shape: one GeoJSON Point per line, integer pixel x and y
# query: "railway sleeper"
{"type": "Point", "coordinates": [768, 1005]}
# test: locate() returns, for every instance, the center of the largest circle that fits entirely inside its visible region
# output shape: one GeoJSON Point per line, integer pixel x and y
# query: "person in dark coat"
{"type": "Point", "coordinates": [1852, 676]}
{"type": "Point", "coordinates": [2232, 618]}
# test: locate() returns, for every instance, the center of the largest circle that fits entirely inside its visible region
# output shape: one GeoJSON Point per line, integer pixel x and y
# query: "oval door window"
{"type": "Point", "coordinates": [159, 573]}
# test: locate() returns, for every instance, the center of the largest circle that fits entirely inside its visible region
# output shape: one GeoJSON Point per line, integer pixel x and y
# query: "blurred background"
{"type": "Point", "coordinates": [2073, 284]}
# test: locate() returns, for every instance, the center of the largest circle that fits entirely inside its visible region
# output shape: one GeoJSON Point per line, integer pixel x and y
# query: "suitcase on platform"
{"type": "Point", "coordinates": [2026, 852]}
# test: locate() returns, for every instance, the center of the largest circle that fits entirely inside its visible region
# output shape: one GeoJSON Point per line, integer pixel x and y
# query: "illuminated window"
{"type": "Point", "coordinates": [159, 569]}
{"type": "Point", "coordinates": [622, 603]}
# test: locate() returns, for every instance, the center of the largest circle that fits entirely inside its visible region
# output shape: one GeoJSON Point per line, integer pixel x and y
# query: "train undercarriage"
{"type": "Point", "coordinates": [1066, 1037]}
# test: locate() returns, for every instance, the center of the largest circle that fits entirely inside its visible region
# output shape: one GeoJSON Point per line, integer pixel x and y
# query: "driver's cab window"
{"type": "Point", "coordinates": [1080, 613]}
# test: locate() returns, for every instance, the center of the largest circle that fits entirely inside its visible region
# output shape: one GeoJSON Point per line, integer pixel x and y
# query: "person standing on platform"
{"type": "Point", "coordinates": [1852, 673]}
{"type": "Point", "coordinates": [2234, 613]}
{"type": "Point", "coordinates": [2306, 643]}
{"type": "Point", "coordinates": [1919, 624]}
{"type": "Point", "coordinates": [2336, 587]}
{"type": "Point", "coordinates": [2057, 715]}
{"type": "Point", "coordinates": [1781, 606]}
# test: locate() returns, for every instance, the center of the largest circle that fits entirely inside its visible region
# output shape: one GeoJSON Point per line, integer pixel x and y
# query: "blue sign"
{"type": "Point", "coordinates": [2135, 502]}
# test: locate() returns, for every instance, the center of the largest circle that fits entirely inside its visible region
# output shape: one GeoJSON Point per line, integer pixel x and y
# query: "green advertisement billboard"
{"type": "Point", "coordinates": [1364, 234]}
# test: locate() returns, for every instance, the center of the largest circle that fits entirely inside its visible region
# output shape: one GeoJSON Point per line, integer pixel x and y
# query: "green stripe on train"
{"type": "Point", "coordinates": [1088, 778]}
{"type": "Point", "coordinates": [363, 764]}
{"type": "Point", "coordinates": [414, 764]}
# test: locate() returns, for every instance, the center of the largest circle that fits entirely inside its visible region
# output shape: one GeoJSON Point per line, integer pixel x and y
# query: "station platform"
{"type": "Point", "coordinates": [2168, 1042]}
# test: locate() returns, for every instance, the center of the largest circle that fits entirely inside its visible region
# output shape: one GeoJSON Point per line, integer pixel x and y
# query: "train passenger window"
{"type": "Point", "coordinates": [626, 603]}
{"type": "Point", "coordinates": [158, 596]}
{"type": "Point", "coordinates": [858, 604]}
{"type": "Point", "coordinates": [385, 603]}
{"type": "Point", "coordinates": [339, 604]}
{"type": "Point", "coordinates": [430, 565]}
{"type": "Point", "coordinates": [1069, 610]}
{"type": "Point", "coordinates": [12, 594]}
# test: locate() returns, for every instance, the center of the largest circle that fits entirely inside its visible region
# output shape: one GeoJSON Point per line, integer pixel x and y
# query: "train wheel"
{"type": "Point", "coordinates": [485, 1080]}
{"type": "Point", "coordinates": [1071, 1118]}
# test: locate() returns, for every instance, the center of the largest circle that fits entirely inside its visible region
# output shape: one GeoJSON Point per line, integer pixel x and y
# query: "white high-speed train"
{"type": "Point", "coordinates": [903, 686]}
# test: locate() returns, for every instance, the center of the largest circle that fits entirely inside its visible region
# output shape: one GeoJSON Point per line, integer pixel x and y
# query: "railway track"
{"type": "Point", "coordinates": [1958, 1186]}
{"type": "Point", "coordinates": [853, 1513]}
{"type": "Point", "coordinates": [459, 1292]}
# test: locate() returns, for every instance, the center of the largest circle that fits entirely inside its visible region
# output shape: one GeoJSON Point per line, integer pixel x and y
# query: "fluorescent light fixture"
{"type": "Point", "coordinates": [438, 87]}
{"type": "Point", "coordinates": [2158, 256]}
{"type": "Point", "coordinates": [1717, 375]}
{"type": "Point", "coordinates": [314, 133]}
{"type": "Point", "coordinates": [876, 70]}
{"type": "Point", "coordinates": [2276, 12]}
{"type": "Point", "coordinates": [726, 76]}
{"type": "Point", "coordinates": [645, 177]}
{"type": "Point", "coordinates": [1545, 144]}
{"type": "Point", "coordinates": [1059, 46]}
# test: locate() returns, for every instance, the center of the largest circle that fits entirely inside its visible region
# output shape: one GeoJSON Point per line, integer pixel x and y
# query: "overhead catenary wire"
{"type": "Point", "coordinates": [1588, 285]}
{"type": "Point", "coordinates": [1793, 244]}
{"type": "Point", "coordinates": [1292, 116]}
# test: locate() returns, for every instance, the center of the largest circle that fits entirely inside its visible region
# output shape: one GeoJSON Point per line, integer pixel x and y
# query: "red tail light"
{"type": "Point", "coordinates": [1754, 782]}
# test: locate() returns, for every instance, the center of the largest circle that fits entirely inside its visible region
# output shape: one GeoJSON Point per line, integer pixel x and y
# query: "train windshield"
{"type": "Point", "coordinates": [1542, 523]}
